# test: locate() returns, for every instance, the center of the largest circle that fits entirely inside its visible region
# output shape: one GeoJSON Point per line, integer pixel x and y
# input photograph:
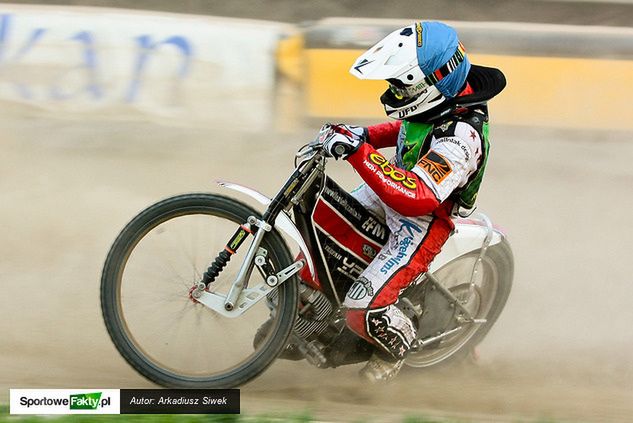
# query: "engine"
{"type": "Point", "coordinates": [314, 318]}
{"type": "Point", "coordinates": [314, 312]}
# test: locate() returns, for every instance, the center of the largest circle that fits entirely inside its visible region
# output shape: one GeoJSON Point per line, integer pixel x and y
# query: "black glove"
{"type": "Point", "coordinates": [341, 140]}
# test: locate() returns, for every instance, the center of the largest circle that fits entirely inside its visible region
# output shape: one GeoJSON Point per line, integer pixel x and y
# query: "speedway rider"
{"type": "Point", "coordinates": [441, 139]}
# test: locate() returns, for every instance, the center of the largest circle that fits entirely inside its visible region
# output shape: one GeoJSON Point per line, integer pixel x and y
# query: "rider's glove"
{"type": "Point", "coordinates": [341, 140]}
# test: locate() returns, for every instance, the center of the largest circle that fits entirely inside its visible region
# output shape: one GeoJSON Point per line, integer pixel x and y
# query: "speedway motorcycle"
{"type": "Point", "coordinates": [205, 291]}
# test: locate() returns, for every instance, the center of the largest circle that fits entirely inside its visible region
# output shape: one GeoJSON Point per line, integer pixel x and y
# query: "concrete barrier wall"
{"type": "Point", "coordinates": [558, 76]}
{"type": "Point", "coordinates": [178, 68]}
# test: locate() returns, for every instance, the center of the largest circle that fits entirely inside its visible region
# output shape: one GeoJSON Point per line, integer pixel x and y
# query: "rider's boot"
{"type": "Point", "coordinates": [386, 362]}
{"type": "Point", "coordinates": [381, 367]}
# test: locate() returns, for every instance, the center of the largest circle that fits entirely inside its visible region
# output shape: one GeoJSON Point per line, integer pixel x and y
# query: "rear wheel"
{"type": "Point", "coordinates": [152, 320]}
{"type": "Point", "coordinates": [491, 291]}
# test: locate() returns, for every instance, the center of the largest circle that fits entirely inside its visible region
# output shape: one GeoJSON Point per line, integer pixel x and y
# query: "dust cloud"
{"type": "Point", "coordinates": [561, 349]}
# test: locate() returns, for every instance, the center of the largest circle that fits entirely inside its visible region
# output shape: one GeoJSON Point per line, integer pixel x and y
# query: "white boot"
{"type": "Point", "coordinates": [380, 370]}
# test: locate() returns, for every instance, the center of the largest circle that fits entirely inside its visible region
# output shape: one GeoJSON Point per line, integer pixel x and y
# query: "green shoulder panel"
{"type": "Point", "coordinates": [414, 136]}
{"type": "Point", "coordinates": [415, 140]}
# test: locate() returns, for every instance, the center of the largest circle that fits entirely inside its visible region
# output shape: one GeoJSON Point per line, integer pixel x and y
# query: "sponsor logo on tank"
{"type": "Point", "coordinates": [392, 172]}
{"type": "Point", "coordinates": [349, 268]}
{"type": "Point", "coordinates": [340, 202]}
{"type": "Point", "coordinates": [369, 251]}
{"type": "Point", "coordinates": [374, 227]}
{"type": "Point", "coordinates": [329, 249]}
{"type": "Point", "coordinates": [436, 166]}
{"type": "Point", "coordinates": [360, 289]}
{"type": "Point", "coordinates": [403, 239]}
{"type": "Point", "coordinates": [340, 260]}
{"type": "Point", "coordinates": [361, 219]}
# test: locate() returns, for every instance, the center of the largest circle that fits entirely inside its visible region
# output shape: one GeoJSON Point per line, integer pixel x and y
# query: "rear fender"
{"type": "Point", "coordinates": [469, 235]}
{"type": "Point", "coordinates": [283, 223]}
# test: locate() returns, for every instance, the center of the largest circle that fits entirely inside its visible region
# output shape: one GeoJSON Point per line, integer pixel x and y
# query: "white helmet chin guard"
{"type": "Point", "coordinates": [424, 63]}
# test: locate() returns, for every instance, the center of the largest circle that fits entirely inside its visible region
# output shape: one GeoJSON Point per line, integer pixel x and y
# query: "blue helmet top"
{"type": "Point", "coordinates": [436, 45]}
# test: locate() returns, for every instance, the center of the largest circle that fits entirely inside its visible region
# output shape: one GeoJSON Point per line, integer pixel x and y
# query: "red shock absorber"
{"type": "Point", "coordinates": [225, 255]}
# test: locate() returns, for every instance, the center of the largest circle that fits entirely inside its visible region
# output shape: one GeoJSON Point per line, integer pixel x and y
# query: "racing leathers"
{"type": "Point", "coordinates": [437, 168]}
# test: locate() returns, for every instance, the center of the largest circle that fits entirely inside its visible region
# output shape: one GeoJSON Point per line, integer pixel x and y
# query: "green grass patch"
{"type": "Point", "coordinates": [205, 418]}
{"type": "Point", "coordinates": [131, 418]}
{"type": "Point", "coordinates": [154, 418]}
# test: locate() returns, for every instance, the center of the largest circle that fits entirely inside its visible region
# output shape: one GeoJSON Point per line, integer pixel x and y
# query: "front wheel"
{"type": "Point", "coordinates": [159, 330]}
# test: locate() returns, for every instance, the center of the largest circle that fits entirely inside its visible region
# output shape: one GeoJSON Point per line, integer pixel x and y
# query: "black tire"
{"type": "Point", "coordinates": [498, 264]}
{"type": "Point", "coordinates": [189, 208]}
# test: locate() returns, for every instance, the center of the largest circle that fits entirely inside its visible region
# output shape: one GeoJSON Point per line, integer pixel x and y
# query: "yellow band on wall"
{"type": "Point", "coordinates": [542, 91]}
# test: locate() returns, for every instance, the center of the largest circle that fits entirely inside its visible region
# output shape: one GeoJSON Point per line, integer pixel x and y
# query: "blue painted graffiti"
{"type": "Point", "coordinates": [34, 37]}
{"type": "Point", "coordinates": [89, 66]}
{"type": "Point", "coordinates": [146, 46]}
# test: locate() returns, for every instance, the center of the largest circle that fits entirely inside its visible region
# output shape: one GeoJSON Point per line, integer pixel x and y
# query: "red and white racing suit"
{"type": "Point", "coordinates": [415, 205]}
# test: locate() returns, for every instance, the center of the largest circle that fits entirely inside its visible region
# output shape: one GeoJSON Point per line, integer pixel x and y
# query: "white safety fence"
{"type": "Point", "coordinates": [116, 63]}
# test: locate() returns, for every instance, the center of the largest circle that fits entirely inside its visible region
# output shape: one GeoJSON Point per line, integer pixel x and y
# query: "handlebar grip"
{"type": "Point", "coordinates": [340, 150]}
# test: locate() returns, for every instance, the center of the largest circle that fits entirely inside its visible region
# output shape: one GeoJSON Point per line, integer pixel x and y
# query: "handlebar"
{"type": "Point", "coordinates": [317, 146]}
{"type": "Point", "coordinates": [340, 150]}
{"type": "Point", "coordinates": [308, 151]}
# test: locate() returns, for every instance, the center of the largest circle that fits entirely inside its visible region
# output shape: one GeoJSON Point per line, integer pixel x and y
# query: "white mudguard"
{"type": "Point", "coordinates": [283, 222]}
{"type": "Point", "coordinates": [470, 235]}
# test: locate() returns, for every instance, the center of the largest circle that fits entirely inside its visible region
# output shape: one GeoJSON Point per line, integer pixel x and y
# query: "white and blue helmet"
{"type": "Point", "coordinates": [424, 63]}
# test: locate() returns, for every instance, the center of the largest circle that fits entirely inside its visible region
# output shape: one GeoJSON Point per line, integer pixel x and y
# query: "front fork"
{"type": "Point", "coordinates": [254, 255]}
{"type": "Point", "coordinates": [240, 297]}
{"type": "Point", "coordinates": [247, 267]}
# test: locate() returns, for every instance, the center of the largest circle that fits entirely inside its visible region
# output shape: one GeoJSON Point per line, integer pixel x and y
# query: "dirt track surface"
{"type": "Point", "coordinates": [561, 349]}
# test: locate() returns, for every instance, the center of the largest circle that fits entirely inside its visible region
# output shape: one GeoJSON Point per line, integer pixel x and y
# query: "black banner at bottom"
{"type": "Point", "coordinates": [180, 401]}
